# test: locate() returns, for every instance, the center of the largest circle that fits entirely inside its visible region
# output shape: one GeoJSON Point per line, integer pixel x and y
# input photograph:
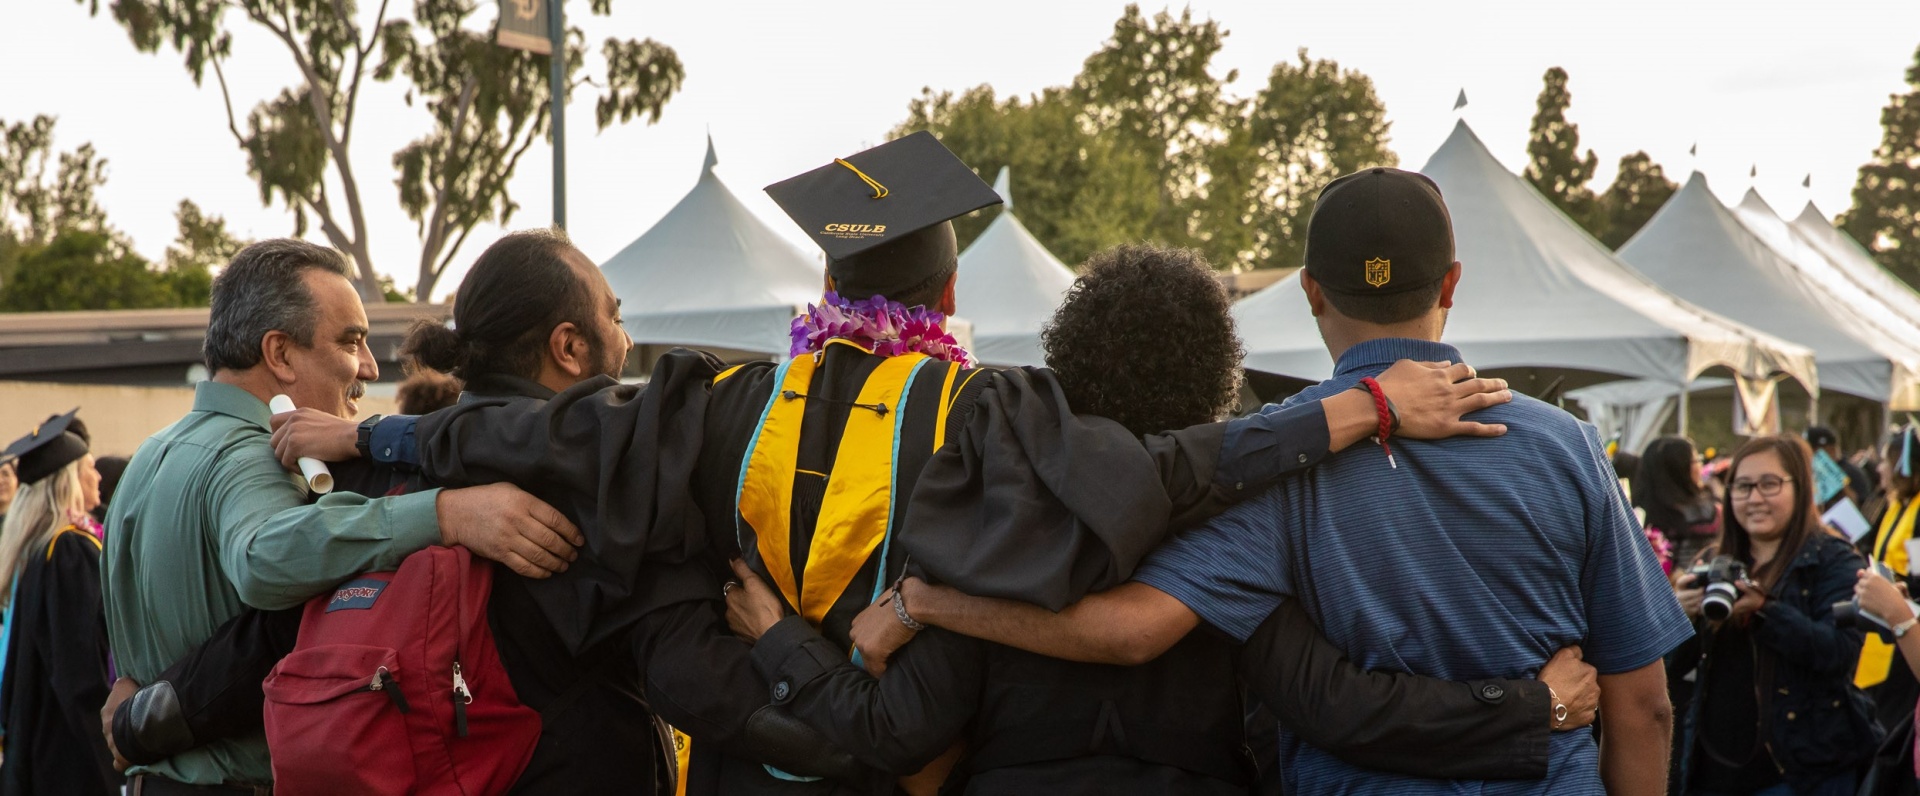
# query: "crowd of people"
{"type": "Point", "coordinates": [875, 567]}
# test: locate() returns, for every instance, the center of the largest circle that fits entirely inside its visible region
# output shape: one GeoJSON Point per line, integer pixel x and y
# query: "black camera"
{"type": "Point", "coordinates": [1720, 578]}
{"type": "Point", "coordinates": [1849, 614]}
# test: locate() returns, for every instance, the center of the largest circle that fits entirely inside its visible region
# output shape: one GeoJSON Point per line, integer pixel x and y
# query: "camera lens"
{"type": "Point", "coordinates": [1717, 605]}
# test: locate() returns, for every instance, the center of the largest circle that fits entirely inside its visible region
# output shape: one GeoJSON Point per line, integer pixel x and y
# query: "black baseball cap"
{"type": "Point", "coordinates": [1379, 232]}
{"type": "Point", "coordinates": [882, 215]}
{"type": "Point", "coordinates": [1821, 436]}
{"type": "Point", "coordinates": [60, 441]}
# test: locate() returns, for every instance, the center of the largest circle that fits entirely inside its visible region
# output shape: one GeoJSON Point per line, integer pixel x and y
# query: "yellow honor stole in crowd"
{"type": "Point", "coordinates": [1890, 548]}
{"type": "Point", "coordinates": [858, 509]}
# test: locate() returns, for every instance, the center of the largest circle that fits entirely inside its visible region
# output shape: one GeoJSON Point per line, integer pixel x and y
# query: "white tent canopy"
{"type": "Point", "coordinates": [1845, 253]}
{"type": "Point", "coordinates": [710, 273]}
{"type": "Point", "coordinates": [1697, 248]}
{"type": "Point", "coordinates": [1840, 284]}
{"type": "Point", "coordinates": [1009, 286]}
{"type": "Point", "coordinates": [1536, 291]}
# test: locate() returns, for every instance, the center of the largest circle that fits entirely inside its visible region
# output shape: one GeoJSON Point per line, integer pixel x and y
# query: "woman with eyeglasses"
{"type": "Point", "coordinates": [1775, 711]}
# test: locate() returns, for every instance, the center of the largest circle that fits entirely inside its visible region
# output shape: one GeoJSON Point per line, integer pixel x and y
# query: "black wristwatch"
{"type": "Point", "coordinates": [364, 439]}
{"type": "Point", "coordinates": [1393, 412]}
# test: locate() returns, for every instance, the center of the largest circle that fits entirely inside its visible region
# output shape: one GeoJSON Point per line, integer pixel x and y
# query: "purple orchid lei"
{"type": "Point", "coordinates": [889, 328]}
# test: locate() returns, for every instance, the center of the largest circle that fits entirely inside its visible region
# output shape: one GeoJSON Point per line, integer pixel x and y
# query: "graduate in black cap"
{"type": "Point", "coordinates": [56, 674]}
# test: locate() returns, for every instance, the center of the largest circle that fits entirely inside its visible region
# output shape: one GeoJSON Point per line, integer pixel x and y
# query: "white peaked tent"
{"type": "Point", "coordinates": [1697, 248]}
{"type": "Point", "coordinates": [1009, 286]}
{"type": "Point", "coordinates": [1818, 267]}
{"type": "Point", "coordinates": [711, 273]}
{"type": "Point", "coordinates": [1536, 291]}
{"type": "Point", "coordinates": [1844, 252]}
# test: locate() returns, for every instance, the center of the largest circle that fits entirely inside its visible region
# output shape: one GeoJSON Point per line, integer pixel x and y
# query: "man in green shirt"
{"type": "Point", "coordinates": [207, 521]}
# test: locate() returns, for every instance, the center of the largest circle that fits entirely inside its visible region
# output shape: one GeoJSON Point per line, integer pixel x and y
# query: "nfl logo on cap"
{"type": "Point", "coordinates": [1379, 271]}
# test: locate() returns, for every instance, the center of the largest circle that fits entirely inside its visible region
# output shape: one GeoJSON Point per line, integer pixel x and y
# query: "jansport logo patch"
{"type": "Point", "coordinates": [356, 595]}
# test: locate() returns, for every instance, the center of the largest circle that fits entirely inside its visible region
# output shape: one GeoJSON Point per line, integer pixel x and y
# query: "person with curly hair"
{"type": "Point", "coordinates": [1193, 382]}
{"type": "Point", "coordinates": [426, 390]}
{"type": "Point", "coordinates": [1176, 725]}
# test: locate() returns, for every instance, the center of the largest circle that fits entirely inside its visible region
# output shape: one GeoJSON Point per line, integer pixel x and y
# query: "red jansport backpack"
{"type": "Point", "coordinates": [396, 687]}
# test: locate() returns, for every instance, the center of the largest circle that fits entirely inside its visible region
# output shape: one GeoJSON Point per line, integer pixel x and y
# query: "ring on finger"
{"type": "Point", "coordinates": [727, 587]}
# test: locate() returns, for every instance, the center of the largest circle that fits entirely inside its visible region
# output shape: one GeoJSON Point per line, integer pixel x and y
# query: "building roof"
{"type": "Point", "coordinates": [151, 347]}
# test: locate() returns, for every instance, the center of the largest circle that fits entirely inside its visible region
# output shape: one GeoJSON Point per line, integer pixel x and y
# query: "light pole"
{"type": "Point", "coordinates": [556, 32]}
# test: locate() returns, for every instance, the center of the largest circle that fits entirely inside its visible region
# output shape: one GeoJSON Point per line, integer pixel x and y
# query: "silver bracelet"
{"type": "Point", "coordinates": [900, 610]}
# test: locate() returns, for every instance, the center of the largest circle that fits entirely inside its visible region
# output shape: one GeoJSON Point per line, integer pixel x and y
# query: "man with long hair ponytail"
{"type": "Point", "coordinates": [55, 645]}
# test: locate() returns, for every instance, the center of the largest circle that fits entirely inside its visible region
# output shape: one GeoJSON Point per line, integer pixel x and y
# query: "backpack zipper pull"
{"type": "Point", "coordinates": [382, 679]}
{"type": "Point", "coordinates": [461, 698]}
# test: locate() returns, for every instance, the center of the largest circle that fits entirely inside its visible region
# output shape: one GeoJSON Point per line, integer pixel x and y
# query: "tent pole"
{"type": "Point", "coordinates": [1813, 409]}
{"type": "Point", "coordinates": [1684, 389]}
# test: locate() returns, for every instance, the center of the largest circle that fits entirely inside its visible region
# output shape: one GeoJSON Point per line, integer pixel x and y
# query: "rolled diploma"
{"type": "Point", "coordinates": [319, 478]}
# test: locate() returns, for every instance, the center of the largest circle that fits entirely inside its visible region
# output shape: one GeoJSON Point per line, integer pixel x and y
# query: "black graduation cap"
{"type": "Point", "coordinates": [60, 441]}
{"type": "Point", "coordinates": [881, 215]}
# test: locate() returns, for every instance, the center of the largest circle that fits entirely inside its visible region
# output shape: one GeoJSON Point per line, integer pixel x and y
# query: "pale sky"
{"type": "Point", "coordinates": [1795, 88]}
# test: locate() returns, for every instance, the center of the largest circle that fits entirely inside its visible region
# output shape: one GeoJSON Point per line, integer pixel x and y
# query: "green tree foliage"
{"type": "Point", "coordinates": [57, 251]}
{"type": "Point", "coordinates": [1145, 144]}
{"type": "Point", "coordinates": [1885, 216]}
{"type": "Point", "coordinates": [203, 243]}
{"type": "Point", "coordinates": [38, 197]}
{"type": "Point", "coordinates": [1556, 167]}
{"type": "Point", "coordinates": [1637, 192]}
{"type": "Point", "coordinates": [485, 105]}
{"type": "Point", "coordinates": [1078, 191]}
{"type": "Point", "coordinates": [1554, 163]}
{"type": "Point", "coordinates": [1150, 86]}
{"type": "Point", "coordinates": [83, 270]}
{"type": "Point", "coordinates": [1313, 122]}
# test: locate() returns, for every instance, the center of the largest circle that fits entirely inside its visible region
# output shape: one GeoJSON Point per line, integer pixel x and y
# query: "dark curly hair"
{"type": "Point", "coordinates": [1145, 338]}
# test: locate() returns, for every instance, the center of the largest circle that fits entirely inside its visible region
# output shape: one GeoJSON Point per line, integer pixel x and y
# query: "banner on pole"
{"type": "Point", "coordinates": [523, 26]}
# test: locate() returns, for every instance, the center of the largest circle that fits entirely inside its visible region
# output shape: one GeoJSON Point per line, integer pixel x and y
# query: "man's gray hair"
{"type": "Point", "coordinates": [260, 291]}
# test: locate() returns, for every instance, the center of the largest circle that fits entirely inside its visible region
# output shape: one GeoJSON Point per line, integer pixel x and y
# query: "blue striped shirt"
{"type": "Point", "coordinates": [1475, 558]}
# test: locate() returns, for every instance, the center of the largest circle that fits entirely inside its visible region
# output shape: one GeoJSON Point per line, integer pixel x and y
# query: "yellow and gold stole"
{"type": "Point", "coordinates": [1890, 548]}
{"type": "Point", "coordinates": [858, 509]}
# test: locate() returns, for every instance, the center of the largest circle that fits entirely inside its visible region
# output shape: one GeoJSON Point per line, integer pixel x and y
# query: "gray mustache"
{"type": "Point", "coordinates": [357, 391]}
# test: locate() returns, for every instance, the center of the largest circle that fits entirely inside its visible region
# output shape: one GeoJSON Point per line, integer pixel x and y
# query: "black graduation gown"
{"type": "Point", "coordinates": [56, 678]}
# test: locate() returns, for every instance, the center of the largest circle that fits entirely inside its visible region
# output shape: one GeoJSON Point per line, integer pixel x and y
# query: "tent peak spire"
{"type": "Point", "coordinates": [1003, 186]}
{"type": "Point", "coordinates": [712, 159]}
{"type": "Point", "coordinates": [1754, 199]}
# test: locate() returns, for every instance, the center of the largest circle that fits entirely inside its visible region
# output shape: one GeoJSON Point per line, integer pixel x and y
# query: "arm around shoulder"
{"type": "Point", "coordinates": [1127, 625]}
{"type": "Point", "coordinates": [1402, 723]}
{"type": "Point", "coordinates": [277, 551]}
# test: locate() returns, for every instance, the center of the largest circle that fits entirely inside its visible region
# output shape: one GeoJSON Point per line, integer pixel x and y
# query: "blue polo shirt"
{"type": "Point", "coordinates": [1475, 558]}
